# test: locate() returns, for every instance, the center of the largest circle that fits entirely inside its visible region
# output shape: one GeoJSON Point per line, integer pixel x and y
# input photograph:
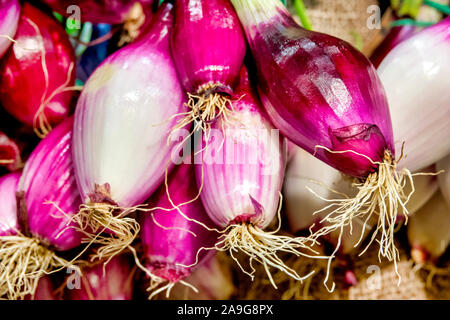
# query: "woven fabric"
{"type": "Point", "coordinates": [345, 19]}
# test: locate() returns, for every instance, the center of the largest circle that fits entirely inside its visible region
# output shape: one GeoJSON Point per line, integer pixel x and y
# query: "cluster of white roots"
{"type": "Point", "coordinates": [23, 261]}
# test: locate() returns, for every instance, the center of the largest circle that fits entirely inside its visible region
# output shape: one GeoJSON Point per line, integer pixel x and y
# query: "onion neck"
{"type": "Point", "coordinates": [255, 13]}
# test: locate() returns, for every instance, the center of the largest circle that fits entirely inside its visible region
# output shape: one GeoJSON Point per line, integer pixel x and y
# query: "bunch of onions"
{"type": "Point", "coordinates": [113, 281]}
{"type": "Point", "coordinates": [240, 176]}
{"type": "Point", "coordinates": [47, 198]}
{"type": "Point", "coordinates": [9, 153]}
{"type": "Point", "coordinates": [37, 74]}
{"type": "Point", "coordinates": [121, 133]}
{"type": "Point", "coordinates": [176, 231]}
{"type": "Point", "coordinates": [415, 76]}
{"type": "Point", "coordinates": [326, 97]}
{"type": "Point", "coordinates": [208, 47]}
{"type": "Point", "coordinates": [9, 18]}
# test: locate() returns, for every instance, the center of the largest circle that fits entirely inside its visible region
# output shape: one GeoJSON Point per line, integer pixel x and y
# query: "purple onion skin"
{"type": "Point", "coordinates": [208, 44]}
{"type": "Point", "coordinates": [48, 176]}
{"type": "Point", "coordinates": [242, 189]}
{"type": "Point", "coordinates": [393, 38]}
{"type": "Point", "coordinates": [8, 204]}
{"type": "Point", "coordinates": [115, 284]}
{"type": "Point", "coordinates": [9, 18]}
{"type": "Point", "coordinates": [99, 11]}
{"type": "Point", "coordinates": [44, 291]}
{"type": "Point", "coordinates": [166, 249]}
{"type": "Point", "coordinates": [317, 89]}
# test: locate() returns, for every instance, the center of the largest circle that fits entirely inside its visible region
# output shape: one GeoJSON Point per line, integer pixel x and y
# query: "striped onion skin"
{"type": "Point", "coordinates": [415, 75]}
{"type": "Point", "coordinates": [8, 204]}
{"type": "Point", "coordinates": [48, 182]}
{"type": "Point", "coordinates": [122, 119]}
{"type": "Point", "coordinates": [9, 19]}
{"type": "Point", "coordinates": [233, 179]}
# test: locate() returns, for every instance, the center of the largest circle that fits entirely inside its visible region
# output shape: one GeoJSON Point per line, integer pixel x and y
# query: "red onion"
{"type": "Point", "coordinates": [121, 131]}
{"type": "Point", "coordinates": [9, 153]}
{"type": "Point", "coordinates": [99, 11]}
{"type": "Point", "coordinates": [34, 90]}
{"type": "Point", "coordinates": [8, 205]}
{"type": "Point", "coordinates": [170, 239]}
{"type": "Point", "coordinates": [9, 18]}
{"type": "Point", "coordinates": [113, 281]}
{"type": "Point", "coordinates": [208, 47]}
{"type": "Point", "coordinates": [47, 199]}
{"type": "Point", "coordinates": [241, 176]}
{"type": "Point", "coordinates": [44, 290]}
{"type": "Point", "coordinates": [326, 97]}
{"type": "Point", "coordinates": [395, 35]}
{"type": "Point", "coordinates": [415, 75]}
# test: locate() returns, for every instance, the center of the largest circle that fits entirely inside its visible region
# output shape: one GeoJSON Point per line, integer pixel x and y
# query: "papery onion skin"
{"type": "Point", "coordinates": [22, 78]}
{"type": "Point", "coordinates": [8, 204]}
{"type": "Point", "coordinates": [122, 118]}
{"type": "Point", "coordinates": [444, 177]}
{"type": "Point", "coordinates": [395, 35]}
{"type": "Point", "coordinates": [317, 89]}
{"type": "Point", "coordinates": [428, 230]}
{"type": "Point", "coordinates": [235, 188]}
{"type": "Point", "coordinates": [9, 153]}
{"type": "Point", "coordinates": [48, 183]}
{"type": "Point", "coordinates": [208, 45]}
{"type": "Point", "coordinates": [9, 18]}
{"type": "Point", "coordinates": [95, 11]}
{"type": "Point", "coordinates": [170, 247]}
{"type": "Point", "coordinates": [415, 76]}
{"type": "Point", "coordinates": [112, 281]}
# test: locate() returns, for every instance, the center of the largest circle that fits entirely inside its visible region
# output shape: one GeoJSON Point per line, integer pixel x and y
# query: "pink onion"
{"type": "Point", "coordinates": [415, 76]}
{"type": "Point", "coordinates": [112, 281]}
{"type": "Point", "coordinates": [9, 18]}
{"type": "Point", "coordinates": [121, 132]}
{"type": "Point", "coordinates": [8, 204]}
{"type": "Point", "coordinates": [99, 11]}
{"type": "Point", "coordinates": [34, 90]}
{"type": "Point", "coordinates": [208, 47]}
{"type": "Point", "coordinates": [9, 153]}
{"type": "Point", "coordinates": [241, 175]}
{"type": "Point", "coordinates": [326, 97]}
{"type": "Point", "coordinates": [47, 199]}
{"type": "Point", "coordinates": [170, 239]}
{"type": "Point", "coordinates": [44, 291]}
{"type": "Point", "coordinates": [395, 35]}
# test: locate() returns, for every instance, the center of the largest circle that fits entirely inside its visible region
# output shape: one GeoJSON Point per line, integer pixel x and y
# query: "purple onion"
{"type": "Point", "coordinates": [241, 175]}
{"type": "Point", "coordinates": [208, 47]}
{"type": "Point", "coordinates": [171, 241]}
{"type": "Point", "coordinates": [8, 204]}
{"type": "Point", "coordinates": [51, 195]}
{"type": "Point", "coordinates": [9, 153]}
{"type": "Point", "coordinates": [122, 129]}
{"type": "Point", "coordinates": [9, 18]}
{"type": "Point", "coordinates": [112, 281]}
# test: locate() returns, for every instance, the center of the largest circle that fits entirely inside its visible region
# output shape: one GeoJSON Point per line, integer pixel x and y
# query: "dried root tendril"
{"type": "Point", "coordinates": [204, 110]}
{"type": "Point", "coordinates": [380, 194]}
{"type": "Point", "coordinates": [94, 220]}
{"type": "Point", "coordinates": [160, 285]}
{"type": "Point", "coordinates": [23, 261]}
